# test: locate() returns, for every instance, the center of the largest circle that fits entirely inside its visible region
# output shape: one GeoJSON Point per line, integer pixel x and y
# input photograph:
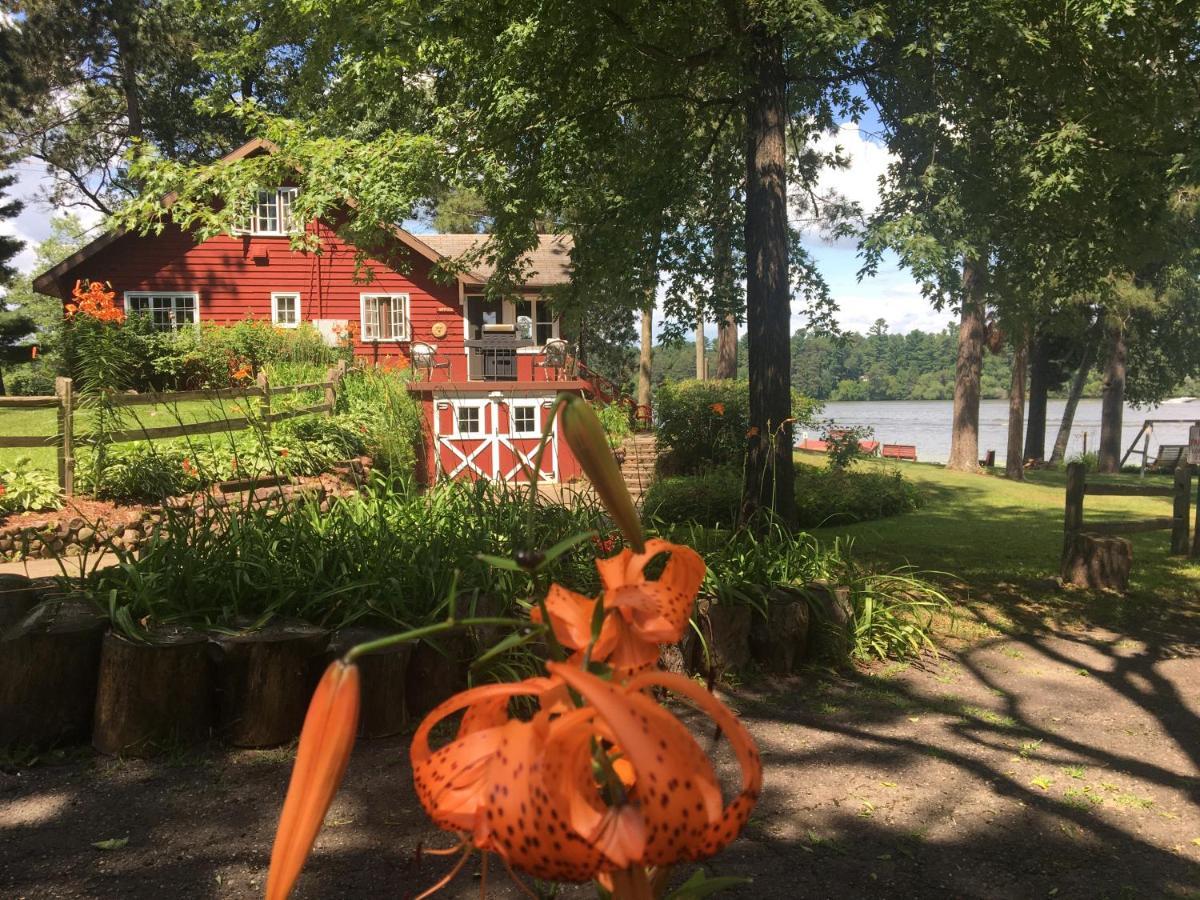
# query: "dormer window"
{"type": "Point", "coordinates": [271, 212]}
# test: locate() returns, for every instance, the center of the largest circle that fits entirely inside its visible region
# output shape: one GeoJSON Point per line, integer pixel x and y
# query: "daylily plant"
{"type": "Point", "coordinates": [601, 782]}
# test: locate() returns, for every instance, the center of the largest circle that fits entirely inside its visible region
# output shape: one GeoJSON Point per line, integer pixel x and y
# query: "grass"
{"type": "Point", "coordinates": [45, 421]}
{"type": "Point", "coordinates": [1002, 539]}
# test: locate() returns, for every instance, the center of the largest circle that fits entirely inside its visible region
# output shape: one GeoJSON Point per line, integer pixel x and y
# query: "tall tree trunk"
{"type": "Point", "coordinates": [701, 347]}
{"type": "Point", "coordinates": [1039, 392]}
{"type": "Point", "coordinates": [125, 32]}
{"type": "Point", "coordinates": [1112, 407]}
{"type": "Point", "coordinates": [727, 349]}
{"type": "Point", "coordinates": [1014, 457]}
{"type": "Point", "coordinates": [646, 357]}
{"type": "Point", "coordinates": [769, 466]}
{"type": "Point", "coordinates": [968, 370]}
{"type": "Point", "coordinates": [1078, 380]}
{"type": "Point", "coordinates": [723, 291]}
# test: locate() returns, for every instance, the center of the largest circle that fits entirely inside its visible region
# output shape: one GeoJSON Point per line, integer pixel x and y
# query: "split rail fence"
{"type": "Point", "coordinates": [1181, 490]}
{"type": "Point", "coordinates": [67, 402]}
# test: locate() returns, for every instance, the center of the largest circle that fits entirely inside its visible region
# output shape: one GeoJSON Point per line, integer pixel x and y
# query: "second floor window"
{"type": "Point", "coordinates": [384, 317]}
{"type": "Point", "coordinates": [272, 213]}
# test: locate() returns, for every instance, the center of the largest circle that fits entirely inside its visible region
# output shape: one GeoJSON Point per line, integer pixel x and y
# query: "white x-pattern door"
{"type": "Point", "coordinates": [493, 437]}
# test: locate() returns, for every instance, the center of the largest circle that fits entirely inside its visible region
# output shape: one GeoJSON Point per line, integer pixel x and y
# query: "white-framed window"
{"type": "Point", "coordinates": [285, 309]}
{"type": "Point", "coordinates": [384, 317]}
{"type": "Point", "coordinates": [167, 310]}
{"type": "Point", "coordinates": [468, 420]}
{"type": "Point", "coordinates": [270, 212]}
{"type": "Point", "coordinates": [535, 321]}
{"type": "Point", "coordinates": [524, 419]}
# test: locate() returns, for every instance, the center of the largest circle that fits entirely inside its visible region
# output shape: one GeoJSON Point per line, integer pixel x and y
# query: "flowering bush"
{"type": "Point", "coordinates": [96, 301]}
{"type": "Point", "coordinates": [600, 782]}
{"type": "Point", "coordinates": [707, 423]}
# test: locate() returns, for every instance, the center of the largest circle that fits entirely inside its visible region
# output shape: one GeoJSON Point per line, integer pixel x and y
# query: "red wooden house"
{"type": "Point", "coordinates": [486, 371]}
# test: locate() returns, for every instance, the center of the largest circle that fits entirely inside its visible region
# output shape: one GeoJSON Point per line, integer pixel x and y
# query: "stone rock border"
{"type": "Point", "coordinates": [71, 535]}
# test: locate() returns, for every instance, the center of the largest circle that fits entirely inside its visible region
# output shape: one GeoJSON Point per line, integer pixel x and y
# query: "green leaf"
{"type": "Point", "coordinates": [111, 843]}
{"type": "Point", "coordinates": [700, 885]}
{"type": "Point", "coordinates": [516, 639]}
{"type": "Point", "coordinates": [564, 545]}
{"type": "Point", "coordinates": [498, 562]}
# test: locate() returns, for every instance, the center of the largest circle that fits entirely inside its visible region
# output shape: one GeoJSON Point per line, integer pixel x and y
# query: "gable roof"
{"type": "Point", "coordinates": [550, 262]}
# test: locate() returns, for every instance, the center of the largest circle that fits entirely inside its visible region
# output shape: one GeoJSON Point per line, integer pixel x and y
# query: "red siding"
{"type": "Point", "coordinates": [235, 277]}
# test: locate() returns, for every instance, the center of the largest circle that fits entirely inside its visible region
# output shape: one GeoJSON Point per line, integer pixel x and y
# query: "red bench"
{"type": "Point", "coordinates": [900, 451]}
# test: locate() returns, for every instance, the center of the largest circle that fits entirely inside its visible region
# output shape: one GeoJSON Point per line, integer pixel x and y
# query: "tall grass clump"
{"type": "Point", "coordinates": [390, 415]}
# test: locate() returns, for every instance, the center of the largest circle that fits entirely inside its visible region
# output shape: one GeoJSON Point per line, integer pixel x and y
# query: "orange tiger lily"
{"type": "Point", "coordinates": [529, 790]}
{"type": "Point", "coordinates": [644, 613]}
{"type": "Point", "coordinates": [325, 744]}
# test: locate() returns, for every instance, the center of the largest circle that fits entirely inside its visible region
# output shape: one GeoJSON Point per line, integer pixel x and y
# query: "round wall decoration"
{"type": "Point", "coordinates": [438, 330]}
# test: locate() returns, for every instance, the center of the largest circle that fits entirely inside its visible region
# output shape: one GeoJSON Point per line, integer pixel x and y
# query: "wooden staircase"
{"type": "Point", "coordinates": [641, 451]}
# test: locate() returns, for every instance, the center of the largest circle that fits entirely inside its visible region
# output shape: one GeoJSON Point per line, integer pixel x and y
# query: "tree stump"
{"type": "Point", "coordinates": [833, 618]}
{"type": "Point", "coordinates": [265, 680]}
{"type": "Point", "coordinates": [48, 667]}
{"type": "Point", "coordinates": [778, 640]}
{"type": "Point", "coordinates": [726, 632]}
{"type": "Point", "coordinates": [153, 696]}
{"type": "Point", "coordinates": [17, 598]}
{"type": "Point", "coordinates": [1096, 561]}
{"type": "Point", "coordinates": [437, 670]}
{"type": "Point", "coordinates": [383, 677]}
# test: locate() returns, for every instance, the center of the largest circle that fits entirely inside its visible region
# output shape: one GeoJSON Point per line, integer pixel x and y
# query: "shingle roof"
{"type": "Point", "coordinates": [550, 262]}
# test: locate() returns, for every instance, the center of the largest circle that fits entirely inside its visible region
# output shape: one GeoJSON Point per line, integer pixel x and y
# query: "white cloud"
{"type": "Point", "coordinates": [33, 224]}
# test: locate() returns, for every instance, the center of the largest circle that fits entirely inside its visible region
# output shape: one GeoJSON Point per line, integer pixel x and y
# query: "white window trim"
{"type": "Point", "coordinates": [480, 406]}
{"type": "Point", "coordinates": [251, 227]}
{"type": "Point", "coordinates": [174, 295]}
{"type": "Point", "coordinates": [534, 405]}
{"type": "Point", "coordinates": [275, 295]}
{"type": "Point", "coordinates": [555, 323]}
{"type": "Point", "coordinates": [362, 318]}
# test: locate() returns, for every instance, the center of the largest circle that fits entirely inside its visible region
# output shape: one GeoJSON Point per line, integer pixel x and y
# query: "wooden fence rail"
{"type": "Point", "coordinates": [1086, 544]}
{"type": "Point", "coordinates": [66, 403]}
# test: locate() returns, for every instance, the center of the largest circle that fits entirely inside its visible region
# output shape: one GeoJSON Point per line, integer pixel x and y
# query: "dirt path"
{"type": "Point", "coordinates": [1062, 764]}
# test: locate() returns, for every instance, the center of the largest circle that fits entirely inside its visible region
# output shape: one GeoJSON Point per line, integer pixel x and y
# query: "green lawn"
{"type": "Point", "coordinates": [1001, 537]}
{"type": "Point", "coordinates": [44, 421]}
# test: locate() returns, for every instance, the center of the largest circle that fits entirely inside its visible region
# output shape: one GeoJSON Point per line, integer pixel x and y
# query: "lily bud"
{"type": "Point", "coordinates": [325, 744]}
{"type": "Point", "coordinates": [585, 436]}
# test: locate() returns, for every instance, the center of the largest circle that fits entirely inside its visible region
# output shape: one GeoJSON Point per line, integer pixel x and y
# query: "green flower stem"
{"type": "Point", "coordinates": [417, 633]}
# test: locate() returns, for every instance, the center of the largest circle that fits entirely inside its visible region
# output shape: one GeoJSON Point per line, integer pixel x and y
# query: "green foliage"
{"type": "Point", "coordinates": [389, 557]}
{"type": "Point", "coordinates": [389, 416]}
{"type": "Point", "coordinates": [843, 445]}
{"type": "Point", "coordinates": [891, 613]}
{"type": "Point", "coordinates": [705, 423]}
{"type": "Point", "coordinates": [615, 420]}
{"type": "Point", "coordinates": [823, 497]}
{"type": "Point", "coordinates": [1090, 461]}
{"type": "Point", "coordinates": [151, 471]}
{"type": "Point", "coordinates": [24, 488]}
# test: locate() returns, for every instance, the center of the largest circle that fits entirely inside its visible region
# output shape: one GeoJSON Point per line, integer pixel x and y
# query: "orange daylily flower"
{"type": "Point", "coordinates": [718, 408]}
{"type": "Point", "coordinates": [95, 301]}
{"type": "Point", "coordinates": [641, 613]}
{"type": "Point", "coordinates": [528, 790]}
{"type": "Point", "coordinates": [325, 744]}
{"type": "Point", "coordinates": [753, 432]}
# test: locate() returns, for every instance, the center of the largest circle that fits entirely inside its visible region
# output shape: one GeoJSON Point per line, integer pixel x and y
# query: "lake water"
{"type": "Point", "coordinates": [926, 423]}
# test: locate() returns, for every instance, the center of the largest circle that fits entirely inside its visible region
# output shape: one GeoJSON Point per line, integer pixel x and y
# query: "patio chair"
{"type": "Point", "coordinates": [554, 356]}
{"type": "Point", "coordinates": [424, 356]}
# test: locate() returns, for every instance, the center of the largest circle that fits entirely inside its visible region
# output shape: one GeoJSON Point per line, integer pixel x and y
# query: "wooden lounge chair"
{"type": "Point", "coordinates": [907, 452]}
{"type": "Point", "coordinates": [1168, 457]}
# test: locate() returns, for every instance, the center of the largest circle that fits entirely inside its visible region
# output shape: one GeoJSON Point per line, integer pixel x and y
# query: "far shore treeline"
{"type": "Point", "coordinates": [879, 365]}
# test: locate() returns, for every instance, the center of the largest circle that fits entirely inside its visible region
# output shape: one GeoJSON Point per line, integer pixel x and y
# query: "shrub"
{"type": "Point", "coordinates": [705, 423]}
{"type": "Point", "coordinates": [27, 379]}
{"type": "Point", "coordinates": [25, 488]}
{"type": "Point", "coordinates": [823, 497]}
{"type": "Point", "coordinates": [844, 450]}
{"type": "Point", "coordinates": [1090, 461]}
{"type": "Point", "coordinates": [615, 420]}
{"type": "Point", "coordinates": [379, 401]}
